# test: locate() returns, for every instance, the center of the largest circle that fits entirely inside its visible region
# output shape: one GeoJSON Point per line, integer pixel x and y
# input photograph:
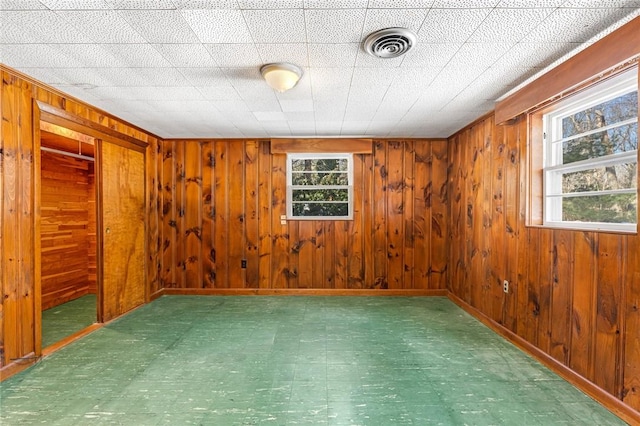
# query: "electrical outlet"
{"type": "Point", "coordinates": [505, 286]}
{"type": "Point", "coordinates": [243, 263]}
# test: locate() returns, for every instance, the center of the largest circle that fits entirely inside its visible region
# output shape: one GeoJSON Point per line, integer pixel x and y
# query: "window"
{"type": "Point", "coordinates": [590, 164]}
{"type": "Point", "coordinates": [319, 186]}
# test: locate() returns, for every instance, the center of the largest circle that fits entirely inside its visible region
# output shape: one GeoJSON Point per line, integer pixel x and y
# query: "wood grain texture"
{"type": "Point", "coordinates": [233, 196]}
{"type": "Point", "coordinates": [65, 189]}
{"type": "Point", "coordinates": [573, 294]}
{"type": "Point", "coordinates": [356, 146]}
{"type": "Point", "coordinates": [123, 230]}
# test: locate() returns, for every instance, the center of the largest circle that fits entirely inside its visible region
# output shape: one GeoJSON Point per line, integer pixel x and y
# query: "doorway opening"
{"type": "Point", "coordinates": [69, 284]}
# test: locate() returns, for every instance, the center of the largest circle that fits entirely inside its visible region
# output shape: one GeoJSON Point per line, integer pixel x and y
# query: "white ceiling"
{"type": "Point", "coordinates": [190, 68]}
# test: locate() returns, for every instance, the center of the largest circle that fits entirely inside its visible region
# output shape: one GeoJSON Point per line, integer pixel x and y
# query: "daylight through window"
{"type": "Point", "coordinates": [319, 186]}
{"type": "Point", "coordinates": [591, 157]}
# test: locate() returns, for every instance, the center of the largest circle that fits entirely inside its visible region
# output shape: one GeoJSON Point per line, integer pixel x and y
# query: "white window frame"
{"type": "Point", "coordinates": [319, 156]}
{"type": "Point", "coordinates": [553, 169]}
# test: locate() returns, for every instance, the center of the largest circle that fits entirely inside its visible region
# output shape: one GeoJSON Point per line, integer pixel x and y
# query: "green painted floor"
{"type": "Point", "coordinates": [65, 319]}
{"type": "Point", "coordinates": [294, 360]}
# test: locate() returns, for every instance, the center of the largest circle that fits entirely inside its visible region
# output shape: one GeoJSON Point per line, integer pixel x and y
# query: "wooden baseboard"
{"type": "Point", "coordinates": [18, 365]}
{"type": "Point", "coordinates": [70, 339]}
{"type": "Point", "coordinates": [613, 404]}
{"type": "Point", "coordinates": [299, 292]}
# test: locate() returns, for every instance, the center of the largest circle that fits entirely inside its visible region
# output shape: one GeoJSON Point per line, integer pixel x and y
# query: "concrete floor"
{"type": "Point", "coordinates": [294, 360]}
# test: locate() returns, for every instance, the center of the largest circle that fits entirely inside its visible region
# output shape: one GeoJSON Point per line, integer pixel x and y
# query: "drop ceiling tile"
{"type": "Point", "coordinates": [508, 25]}
{"type": "Point", "coordinates": [270, 4]}
{"type": "Point", "coordinates": [371, 94]}
{"type": "Point", "coordinates": [264, 105]}
{"type": "Point", "coordinates": [377, 77]}
{"type": "Point", "coordinates": [538, 54]}
{"type": "Point", "coordinates": [160, 26]}
{"type": "Point", "coordinates": [232, 106]}
{"type": "Point", "coordinates": [295, 53]}
{"type": "Point", "coordinates": [102, 26]}
{"type": "Point", "coordinates": [167, 93]}
{"type": "Point", "coordinates": [333, 54]}
{"type": "Point", "coordinates": [183, 106]}
{"type": "Point", "coordinates": [528, 4]}
{"type": "Point", "coordinates": [276, 26]}
{"type": "Point", "coordinates": [44, 26]}
{"type": "Point", "coordinates": [234, 55]}
{"type": "Point", "coordinates": [21, 5]}
{"type": "Point", "coordinates": [367, 61]}
{"type": "Point", "coordinates": [388, 114]}
{"type": "Point", "coordinates": [478, 55]}
{"type": "Point", "coordinates": [439, 22]}
{"type": "Point", "coordinates": [141, 4]}
{"type": "Point", "coordinates": [574, 25]}
{"type": "Point", "coordinates": [378, 19]}
{"type": "Point", "coordinates": [410, 78]}
{"type": "Point", "coordinates": [75, 4]}
{"type": "Point", "coordinates": [88, 55]}
{"type": "Point", "coordinates": [337, 77]}
{"type": "Point", "coordinates": [218, 25]}
{"type": "Point", "coordinates": [303, 105]}
{"type": "Point", "coordinates": [186, 55]}
{"type": "Point", "coordinates": [205, 4]}
{"type": "Point", "coordinates": [138, 55]}
{"type": "Point", "coordinates": [224, 92]}
{"type": "Point", "coordinates": [46, 75]}
{"type": "Point", "coordinates": [300, 116]}
{"type": "Point", "coordinates": [14, 34]}
{"type": "Point", "coordinates": [270, 116]}
{"type": "Point", "coordinates": [354, 128]}
{"type": "Point", "coordinates": [399, 4]}
{"type": "Point", "coordinates": [335, 4]}
{"type": "Point", "coordinates": [301, 128]}
{"type": "Point", "coordinates": [334, 26]}
{"type": "Point", "coordinates": [464, 4]}
{"type": "Point", "coordinates": [119, 77]}
{"type": "Point", "coordinates": [602, 3]}
{"type": "Point", "coordinates": [34, 56]}
{"type": "Point", "coordinates": [162, 77]}
{"type": "Point", "coordinates": [430, 54]}
{"type": "Point", "coordinates": [205, 77]}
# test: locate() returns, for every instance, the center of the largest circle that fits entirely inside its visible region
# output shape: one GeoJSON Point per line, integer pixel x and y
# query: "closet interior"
{"type": "Point", "coordinates": [67, 232]}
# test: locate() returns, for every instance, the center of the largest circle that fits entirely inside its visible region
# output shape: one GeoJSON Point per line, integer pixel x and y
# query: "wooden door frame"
{"type": "Point", "coordinates": [102, 134]}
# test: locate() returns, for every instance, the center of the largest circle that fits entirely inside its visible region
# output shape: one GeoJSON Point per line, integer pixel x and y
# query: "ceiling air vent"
{"type": "Point", "coordinates": [390, 42]}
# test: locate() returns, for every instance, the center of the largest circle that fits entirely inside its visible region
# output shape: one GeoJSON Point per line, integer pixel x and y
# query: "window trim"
{"type": "Point", "coordinates": [538, 172]}
{"type": "Point", "coordinates": [317, 156]}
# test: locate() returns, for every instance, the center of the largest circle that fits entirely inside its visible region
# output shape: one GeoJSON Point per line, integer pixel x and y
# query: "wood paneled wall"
{"type": "Point", "coordinates": [17, 209]}
{"type": "Point", "coordinates": [573, 294]}
{"type": "Point", "coordinates": [220, 202]}
{"type": "Point", "coordinates": [64, 234]}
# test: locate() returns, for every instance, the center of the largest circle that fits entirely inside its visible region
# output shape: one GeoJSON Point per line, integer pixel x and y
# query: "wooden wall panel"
{"type": "Point", "coordinates": [228, 207]}
{"type": "Point", "coordinates": [64, 230]}
{"type": "Point", "coordinates": [18, 314]}
{"type": "Point", "coordinates": [572, 294]}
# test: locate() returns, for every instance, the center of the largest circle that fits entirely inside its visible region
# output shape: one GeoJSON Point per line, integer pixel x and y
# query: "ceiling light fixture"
{"type": "Point", "coordinates": [281, 76]}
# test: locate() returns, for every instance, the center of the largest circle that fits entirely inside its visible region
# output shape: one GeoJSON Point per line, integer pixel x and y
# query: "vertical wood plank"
{"type": "Point", "coordinates": [208, 215]}
{"type": "Point", "coordinates": [631, 363]}
{"type": "Point", "coordinates": [497, 228]}
{"type": "Point", "coordinates": [380, 215]}
{"type": "Point", "coordinates": [169, 215]}
{"type": "Point", "coordinates": [193, 212]}
{"type": "Point", "coordinates": [582, 326]}
{"type": "Point", "coordinates": [544, 293]}
{"type": "Point", "coordinates": [408, 186]}
{"type": "Point", "coordinates": [237, 213]}
{"type": "Point", "coordinates": [305, 253]}
{"type": "Point", "coordinates": [251, 206]}
{"type": "Point", "coordinates": [318, 273]}
{"type": "Point", "coordinates": [329, 260]}
{"type": "Point", "coordinates": [180, 199]}
{"type": "Point", "coordinates": [514, 214]}
{"type": "Point", "coordinates": [422, 214]}
{"type": "Point", "coordinates": [221, 207]}
{"type": "Point", "coordinates": [265, 215]}
{"type": "Point", "coordinates": [608, 309]}
{"type": "Point", "coordinates": [280, 245]}
{"type": "Point", "coordinates": [562, 295]}
{"type": "Point", "coordinates": [395, 209]}
{"type": "Point", "coordinates": [355, 268]}
{"type": "Point", "coordinates": [439, 222]}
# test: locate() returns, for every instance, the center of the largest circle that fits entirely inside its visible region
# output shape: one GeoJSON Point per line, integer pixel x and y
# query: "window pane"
{"type": "Point", "coordinates": [321, 209]}
{"type": "Point", "coordinates": [619, 176]}
{"type": "Point", "coordinates": [321, 165]}
{"type": "Point", "coordinates": [320, 194]}
{"type": "Point", "coordinates": [612, 141]}
{"type": "Point", "coordinates": [609, 112]}
{"type": "Point", "coordinates": [319, 178]}
{"type": "Point", "coordinates": [614, 208]}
